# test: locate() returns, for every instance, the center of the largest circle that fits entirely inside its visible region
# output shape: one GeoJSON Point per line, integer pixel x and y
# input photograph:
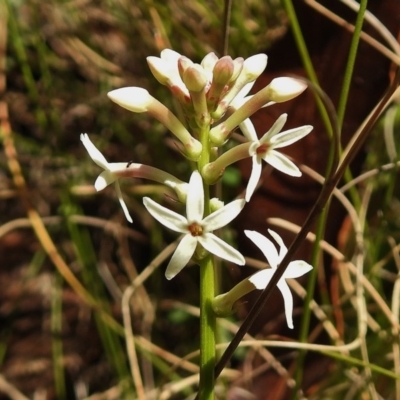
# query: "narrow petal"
{"type": "Point", "coordinates": [261, 278]}
{"type": "Point", "coordinates": [94, 152]}
{"type": "Point", "coordinates": [122, 202]}
{"type": "Point", "coordinates": [282, 247]}
{"type": "Point", "coordinates": [248, 130]}
{"type": "Point", "coordinates": [287, 301]}
{"type": "Point", "coordinates": [224, 215]}
{"type": "Point", "coordinates": [286, 138]}
{"type": "Point", "coordinates": [240, 98]}
{"type": "Point", "coordinates": [182, 256]}
{"type": "Point", "coordinates": [195, 198]}
{"type": "Point", "coordinates": [275, 129]}
{"type": "Point", "coordinates": [281, 163]}
{"type": "Point", "coordinates": [170, 56]}
{"type": "Point", "coordinates": [266, 246]}
{"type": "Point", "coordinates": [216, 246]}
{"type": "Point", "coordinates": [254, 177]}
{"type": "Point", "coordinates": [168, 218]}
{"type": "Point", "coordinates": [104, 179]}
{"type": "Point", "coordinates": [296, 269]}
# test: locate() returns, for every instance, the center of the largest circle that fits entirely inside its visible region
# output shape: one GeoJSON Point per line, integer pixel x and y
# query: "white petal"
{"type": "Point", "coordinates": [296, 269]}
{"type": "Point", "coordinates": [182, 256]}
{"type": "Point", "coordinates": [248, 130]}
{"type": "Point", "coordinates": [254, 177]}
{"type": "Point", "coordinates": [275, 128]}
{"type": "Point", "coordinates": [94, 152]}
{"type": "Point", "coordinates": [208, 62]}
{"type": "Point", "coordinates": [261, 278]}
{"type": "Point", "coordinates": [120, 166]}
{"type": "Point", "coordinates": [240, 98]}
{"type": "Point", "coordinates": [282, 247]}
{"type": "Point", "coordinates": [266, 246]}
{"type": "Point", "coordinates": [122, 202]}
{"type": "Point", "coordinates": [287, 301]}
{"type": "Point", "coordinates": [170, 56]}
{"type": "Point", "coordinates": [224, 215]}
{"type": "Point", "coordinates": [281, 163]}
{"type": "Point", "coordinates": [291, 136]}
{"type": "Point", "coordinates": [216, 246]}
{"type": "Point", "coordinates": [104, 179]}
{"type": "Point", "coordinates": [168, 218]}
{"type": "Point", "coordinates": [195, 198]}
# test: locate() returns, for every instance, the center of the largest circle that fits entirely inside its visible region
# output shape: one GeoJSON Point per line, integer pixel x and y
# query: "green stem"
{"type": "Point", "coordinates": [207, 330]}
{"type": "Point", "coordinates": [207, 294]}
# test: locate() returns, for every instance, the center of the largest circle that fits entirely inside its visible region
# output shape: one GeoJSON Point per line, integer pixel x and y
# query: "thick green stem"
{"type": "Point", "coordinates": [207, 330]}
{"type": "Point", "coordinates": [207, 293]}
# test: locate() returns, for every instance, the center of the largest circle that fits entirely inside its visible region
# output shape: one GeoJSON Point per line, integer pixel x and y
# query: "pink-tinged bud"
{"type": "Point", "coordinates": [194, 78]}
{"type": "Point", "coordinates": [252, 69]}
{"type": "Point", "coordinates": [165, 70]}
{"type": "Point", "coordinates": [183, 64]}
{"type": "Point", "coordinates": [284, 89]}
{"type": "Point", "coordinates": [132, 98]}
{"type": "Point", "coordinates": [223, 70]}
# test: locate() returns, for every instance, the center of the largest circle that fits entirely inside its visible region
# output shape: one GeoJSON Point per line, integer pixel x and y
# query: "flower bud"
{"type": "Point", "coordinates": [134, 99]}
{"type": "Point", "coordinates": [160, 70]}
{"type": "Point", "coordinates": [223, 70]}
{"type": "Point", "coordinates": [209, 62]}
{"type": "Point", "coordinates": [284, 89]}
{"type": "Point", "coordinates": [215, 204]}
{"type": "Point", "coordinates": [237, 68]}
{"type": "Point", "coordinates": [183, 64]}
{"type": "Point", "coordinates": [254, 66]}
{"type": "Point", "coordinates": [194, 78]}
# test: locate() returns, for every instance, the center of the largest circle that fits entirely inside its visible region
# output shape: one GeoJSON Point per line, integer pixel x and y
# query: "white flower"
{"type": "Point", "coordinates": [113, 171]}
{"type": "Point", "coordinates": [294, 270]}
{"type": "Point", "coordinates": [108, 176]}
{"type": "Point", "coordinates": [264, 149]}
{"type": "Point", "coordinates": [197, 230]}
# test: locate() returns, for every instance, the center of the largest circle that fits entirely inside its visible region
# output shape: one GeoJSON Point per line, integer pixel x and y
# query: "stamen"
{"type": "Point", "coordinates": [263, 148]}
{"type": "Point", "coordinates": [195, 229]}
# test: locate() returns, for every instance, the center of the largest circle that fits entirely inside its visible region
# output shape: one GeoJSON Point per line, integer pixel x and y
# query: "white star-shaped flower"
{"type": "Point", "coordinates": [109, 175]}
{"type": "Point", "coordinates": [197, 230]}
{"type": "Point", "coordinates": [264, 149]}
{"type": "Point", "coordinates": [294, 270]}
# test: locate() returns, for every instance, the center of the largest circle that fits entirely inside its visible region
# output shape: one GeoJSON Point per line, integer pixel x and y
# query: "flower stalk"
{"type": "Point", "coordinates": [206, 92]}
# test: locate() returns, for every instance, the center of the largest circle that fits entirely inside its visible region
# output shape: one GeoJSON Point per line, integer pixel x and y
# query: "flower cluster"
{"type": "Point", "coordinates": [214, 99]}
